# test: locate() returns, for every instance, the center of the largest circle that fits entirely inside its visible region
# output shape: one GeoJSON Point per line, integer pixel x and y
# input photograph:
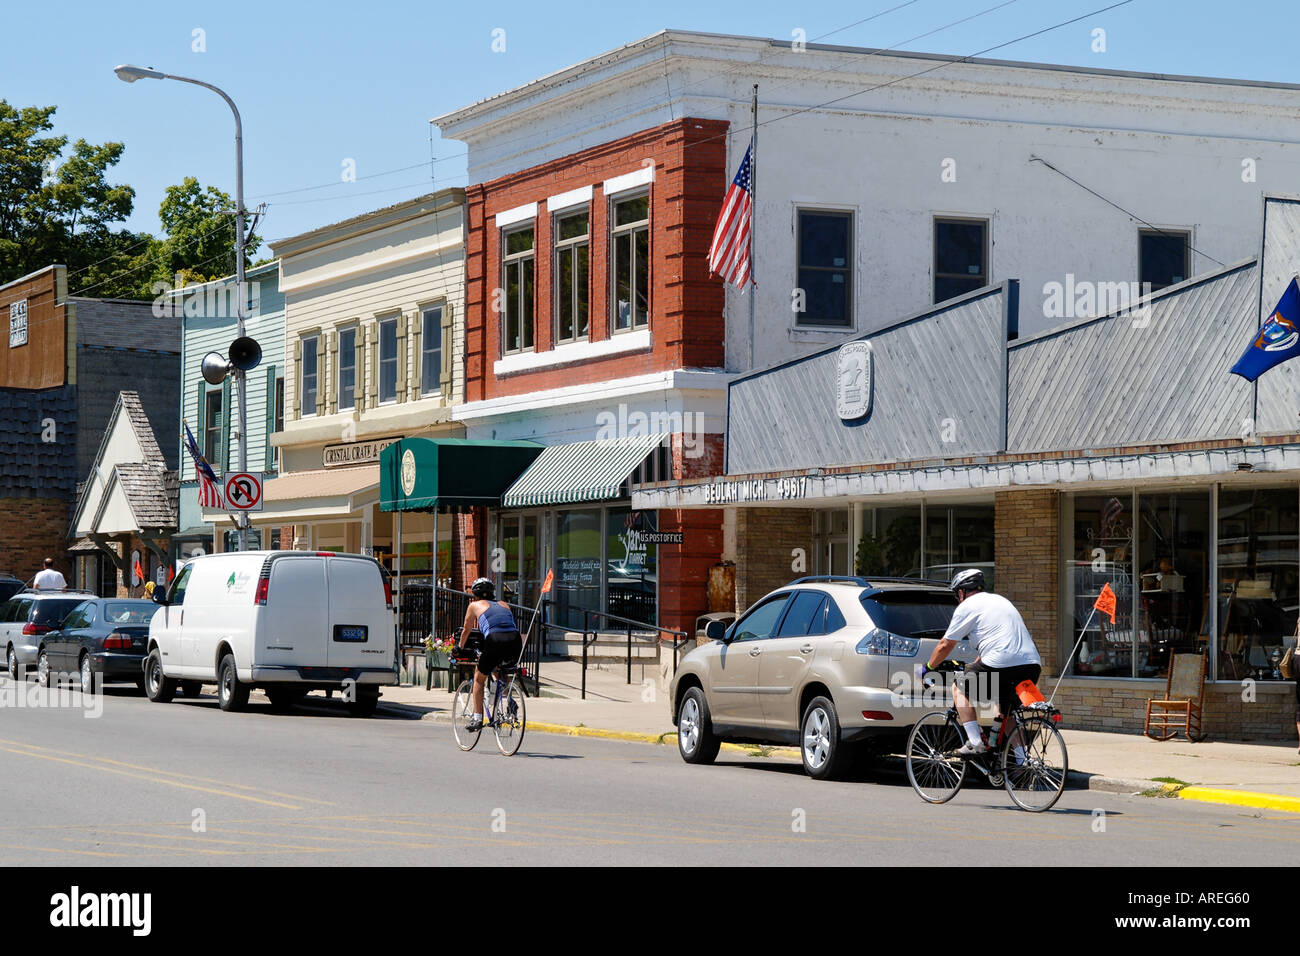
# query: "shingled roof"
{"type": "Point", "coordinates": [146, 493]}
{"type": "Point", "coordinates": [150, 489]}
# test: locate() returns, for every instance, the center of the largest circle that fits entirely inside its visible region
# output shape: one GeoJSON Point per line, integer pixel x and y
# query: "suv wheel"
{"type": "Point", "coordinates": [819, 743]}
{"type": "Point", "coordinates": [696, 740]}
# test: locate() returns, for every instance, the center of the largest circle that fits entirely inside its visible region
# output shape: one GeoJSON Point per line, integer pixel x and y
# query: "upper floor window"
{"type": "Point", "coordinates": [212, 412]}
{"type": "Point", "coordinates": [310, 347]}
{"type": "Point", "coordinates": [825, 269]}
{"type": "Point", "coordinates": [630, 227]}
{"type": "Point", "coordinates": [388, 360]}
{"type": "Point", "coordinates": [572, 249]}
{"type": "Point", "coordinates": [517, 281]}
{"type": "Point", "coordinates": [961, 257]}
{"type": "Point", "coordinates": [279, 416]}
{"type": "Point", "coordinates": [431, 349]}
{"type": "Point", "coordinates": [1163, 257]}
{"type": "Point", "coordinates": [347, 369]}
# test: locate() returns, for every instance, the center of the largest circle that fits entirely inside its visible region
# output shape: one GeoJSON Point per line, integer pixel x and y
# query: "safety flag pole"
{"type": "Point", "coordinates": [1106, 604]}
{"type": "Point", "coordinates": [546, 589]}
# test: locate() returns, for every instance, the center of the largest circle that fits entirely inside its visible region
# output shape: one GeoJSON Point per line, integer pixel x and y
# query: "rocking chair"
{"type": "Point", "coordinates": [1180, 710]}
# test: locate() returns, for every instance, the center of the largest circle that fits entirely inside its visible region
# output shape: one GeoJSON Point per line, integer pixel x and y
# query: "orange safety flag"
{"type": "Point", "coordinates": [171, 572]}
{"type": "Point", "coordinates": [550, 578]}
{"type": "Point", "coordinates": [139, 571]}
{"type": "Point", "coordinates": [1106, 601]}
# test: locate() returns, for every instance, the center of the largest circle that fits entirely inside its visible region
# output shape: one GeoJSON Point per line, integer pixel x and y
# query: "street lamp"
{"type": "Point", "coordinates": [129, 74]}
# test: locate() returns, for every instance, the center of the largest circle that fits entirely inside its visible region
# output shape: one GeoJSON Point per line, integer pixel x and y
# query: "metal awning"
{"type": "Point", "coordinates": [582, 471]}
{"type": "Point", "coordinates": [418, 474]}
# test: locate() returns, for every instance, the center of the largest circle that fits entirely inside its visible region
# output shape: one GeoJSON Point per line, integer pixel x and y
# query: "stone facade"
{"type": "Point", "coordinates": [1230, 713]}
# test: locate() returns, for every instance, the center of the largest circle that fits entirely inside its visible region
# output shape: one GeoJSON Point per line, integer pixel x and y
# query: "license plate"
{"type": "Point", "coordinates": [351, 633]}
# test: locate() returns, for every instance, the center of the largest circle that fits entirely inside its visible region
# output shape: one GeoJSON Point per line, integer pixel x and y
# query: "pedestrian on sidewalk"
{"type": "Point", "coordinates": [49, 579]}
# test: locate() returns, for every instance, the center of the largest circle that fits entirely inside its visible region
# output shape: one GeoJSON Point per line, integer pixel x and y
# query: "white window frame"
{"type": "Point", "coordinates": [395, 358]}
{"type": "Point", "coordinates": [434, 388]}
{"type": "Point", "coordinates": [614, 233]}
{"type": "Point", "coordinates": [305, 409]}
{"type": "Point", "coordinates": [571, 246]}
{"type": "Point", "coordinates": [507, 261]}
{"type": "Point", "coordinates": [355, 332]}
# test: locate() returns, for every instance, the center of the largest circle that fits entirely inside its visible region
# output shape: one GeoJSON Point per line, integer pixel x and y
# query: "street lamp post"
{"type": "Point", "coordinates": [129, 74]}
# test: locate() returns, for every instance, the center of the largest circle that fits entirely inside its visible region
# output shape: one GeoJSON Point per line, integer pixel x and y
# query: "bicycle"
{"type": "Point", "coordinates": [1034, 780]}
{"type": "Point", "coordinates": [503, 710]}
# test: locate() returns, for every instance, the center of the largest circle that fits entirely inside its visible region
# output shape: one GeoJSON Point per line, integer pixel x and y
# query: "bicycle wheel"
{"type": "Point", "coordinates": [933, 768]}
{"type": "Point", "coordinates": [508, 718]}
{"type": "Point", "coordinates": [462, 708]}
{"type": "Point", "coordinates": [1035, 780]}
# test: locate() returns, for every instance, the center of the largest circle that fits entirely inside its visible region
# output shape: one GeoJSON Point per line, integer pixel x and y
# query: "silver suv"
{"type": "Point", "coordinates": [25, 617]}
{"type": "Point", "coordinates": [826, 663]}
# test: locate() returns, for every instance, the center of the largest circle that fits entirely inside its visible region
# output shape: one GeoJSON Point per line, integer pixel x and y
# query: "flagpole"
{"type": "Point", "coordinates": [1073, 651]}
{"type": "Point", "coordinates": [753, 190]}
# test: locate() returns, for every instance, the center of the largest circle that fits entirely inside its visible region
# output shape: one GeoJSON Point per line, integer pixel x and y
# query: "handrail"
{"type": "Point", "coordinates": [679, 638]}
{"type": "Point", "coordinates": [449, 624]}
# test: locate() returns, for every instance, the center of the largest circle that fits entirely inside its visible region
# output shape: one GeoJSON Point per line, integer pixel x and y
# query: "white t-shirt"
{"type": "Point", "coordinates": [50, 580]}
{"type": "Point", "coordinates": [995, 628]}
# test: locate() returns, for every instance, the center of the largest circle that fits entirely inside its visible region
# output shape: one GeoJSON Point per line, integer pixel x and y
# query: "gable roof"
{"type": "Point", "coordinates": [147, 486]}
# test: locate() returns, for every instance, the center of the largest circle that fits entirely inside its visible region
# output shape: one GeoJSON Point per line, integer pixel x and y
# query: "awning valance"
{"type": "Point", "coordinates": [417, 474]}
{"type": "Point", "coordinates": [582, 471]}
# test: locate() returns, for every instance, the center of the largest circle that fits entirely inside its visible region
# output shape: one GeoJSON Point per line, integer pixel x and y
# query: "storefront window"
{"type": "Point", "coordinates": [1257, 587]}
{"type": "Point", "coordinates": [1100, 546]}
{"type": "Point", "coordinates": [578, 572]}
{"type": "Point", "coordinates": [1173, 579]}
{"type": "Point", "coordinates": [891, 543]}
{"type": "Point", "coordinates": [831, 541]}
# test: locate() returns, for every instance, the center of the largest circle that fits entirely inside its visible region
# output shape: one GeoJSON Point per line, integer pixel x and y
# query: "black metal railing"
{"type": "Point", "coordinates": [629, 626]}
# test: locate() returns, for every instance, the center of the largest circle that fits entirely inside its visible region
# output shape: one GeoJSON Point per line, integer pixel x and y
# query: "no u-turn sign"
{"type": "Point", "coordinates": [244, 492]}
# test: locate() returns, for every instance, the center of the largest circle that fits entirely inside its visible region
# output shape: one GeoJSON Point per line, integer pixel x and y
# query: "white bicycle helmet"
{"type": "Point", "coordinates": [483, 588]}
{"type": "Point", "coordinates": [972, 579]}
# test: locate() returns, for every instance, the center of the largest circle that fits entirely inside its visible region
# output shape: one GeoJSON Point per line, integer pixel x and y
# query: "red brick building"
{"type": "Point", "coordinates": [593, 327]}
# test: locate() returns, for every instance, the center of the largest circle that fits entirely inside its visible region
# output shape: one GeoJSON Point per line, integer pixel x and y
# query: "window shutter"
{"type": "Point", "coordinates": [447, 374]}
{"type": "Point", "coordinates": [268, 454]}
{"type": "Point", "coordinates": [225, 427]}
{"type": "Point", "coordinates": [199, 418]}
{"type": "Point", "coordinates": [415, 383]}
{"type": "Point", "coordinates": [331, 385]}
{"type": "Point", "coordinates": [372, 364]}
{"type": "Point", "coordinates": [402, 358]}
{"type": "Point", "coordinates": [296, 390]}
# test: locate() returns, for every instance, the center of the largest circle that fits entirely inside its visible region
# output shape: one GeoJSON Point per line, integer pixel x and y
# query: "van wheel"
{"type": "Point", "coordinates": [231, 694]}
{"type": "Point", "coordinates": [366, 701]}
{"type": "Point", "coordinates": [191, 688]}
{"type": "Point", "coordinates": [157, 688]}
{"type": "Point", "coordinates": [16, 671]}
{"type": "Point", "coordinates": [43, 669]}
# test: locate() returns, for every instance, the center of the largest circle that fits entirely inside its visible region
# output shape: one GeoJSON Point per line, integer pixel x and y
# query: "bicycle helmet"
{"type": "Point", "coordinates": [972, 579]}
{"type": "Point", "coordinates": [483, 589]}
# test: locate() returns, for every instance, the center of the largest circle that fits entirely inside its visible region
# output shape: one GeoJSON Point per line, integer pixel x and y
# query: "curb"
{"type": "Point", "coordinates": [1241, 798]}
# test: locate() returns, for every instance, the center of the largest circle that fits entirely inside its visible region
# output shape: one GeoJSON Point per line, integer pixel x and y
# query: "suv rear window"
{"type": "Point", "coordinates": [911, 613]}
{"type": "Point", "coordinates": [53, 612]}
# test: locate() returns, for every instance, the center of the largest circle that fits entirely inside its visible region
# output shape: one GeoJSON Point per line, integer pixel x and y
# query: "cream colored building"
{"type": "Point", "coordinates": [374, 313]}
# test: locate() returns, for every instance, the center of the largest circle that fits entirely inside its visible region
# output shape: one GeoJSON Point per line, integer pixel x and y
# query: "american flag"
{"type": "Point", "coordinates": [729, 252]}
{"type": "Point", "coordinates": [209, 490]}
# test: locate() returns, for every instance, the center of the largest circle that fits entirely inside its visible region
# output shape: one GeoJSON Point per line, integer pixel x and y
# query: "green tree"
{"type": "Point", "coordinates": [200, 227]}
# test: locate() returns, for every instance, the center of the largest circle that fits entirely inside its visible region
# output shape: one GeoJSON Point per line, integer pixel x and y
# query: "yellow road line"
{"type": "Point", "coordinates": [85, 765]}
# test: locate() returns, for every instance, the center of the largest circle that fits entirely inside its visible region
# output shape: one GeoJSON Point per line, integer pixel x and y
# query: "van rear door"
{"type": "Point", "coordinates": [360, 625]}
{"type": "Point", "coordinates": [296, 628]}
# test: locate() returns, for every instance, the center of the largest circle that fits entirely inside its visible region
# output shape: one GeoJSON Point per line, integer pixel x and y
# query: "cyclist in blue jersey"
{"type": "Point", "coordinates": [501, 642]}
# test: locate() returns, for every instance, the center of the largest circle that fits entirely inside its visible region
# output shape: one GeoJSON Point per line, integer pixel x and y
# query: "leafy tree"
{"type": "Point", "coordinates": [200, 228]}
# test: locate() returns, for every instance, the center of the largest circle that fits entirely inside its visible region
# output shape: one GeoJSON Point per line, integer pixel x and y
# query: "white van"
{"type": "Point", "coordinates": [285, 621]}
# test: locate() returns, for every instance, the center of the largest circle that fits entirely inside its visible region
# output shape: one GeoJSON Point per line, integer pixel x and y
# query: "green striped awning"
{"type": "Point", "coordinates": [582, 471]}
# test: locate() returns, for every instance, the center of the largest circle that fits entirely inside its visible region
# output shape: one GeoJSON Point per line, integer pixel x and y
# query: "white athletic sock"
{"type": "Point", "coordinates": [973, 731]}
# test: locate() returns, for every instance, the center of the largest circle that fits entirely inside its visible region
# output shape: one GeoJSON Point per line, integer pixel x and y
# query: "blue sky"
{"type": "Point", "coordinates": [326, 82]}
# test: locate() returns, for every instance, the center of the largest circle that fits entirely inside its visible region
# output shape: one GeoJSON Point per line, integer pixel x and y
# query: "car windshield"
{"type": "Point", "coordinates": [911, 613]}
{"type": "Point", "coordinates": [128, 612]}
{"type": "Point", "coordinates": [52, 612]}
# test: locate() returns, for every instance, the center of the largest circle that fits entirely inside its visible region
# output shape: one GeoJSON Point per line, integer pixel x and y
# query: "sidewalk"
{"type": "Point", "coordinates": [1260, 775]}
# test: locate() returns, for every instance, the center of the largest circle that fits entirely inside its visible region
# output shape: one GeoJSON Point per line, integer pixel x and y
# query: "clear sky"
{"type": "Point", "coordinates": [322, 83]}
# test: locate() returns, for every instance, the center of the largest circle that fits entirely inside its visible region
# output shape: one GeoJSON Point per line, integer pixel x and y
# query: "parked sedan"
{"type": "Point", "coordinates": [26, 618]}
{"type": "Point", "coordinates": [101, 639]}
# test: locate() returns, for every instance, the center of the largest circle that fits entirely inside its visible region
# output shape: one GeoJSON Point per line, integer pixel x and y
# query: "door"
{"type": "Point", "coordinates": [786, 657]}
{"type": "Point", "coordinates": [358, 634]}
{"type": "Point", "coordinates": [295, 629]}
{"type": "Point", "coordinates": [736, 693]}
{"type": "Point", "coordinates": [71, 635]}
{"type": "Point", "coordinates": [167, 625]}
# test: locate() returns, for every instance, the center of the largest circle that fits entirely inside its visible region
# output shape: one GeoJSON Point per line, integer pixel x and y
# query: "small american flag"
{"type": "Point", "coordinates": [729, 252]}
{"type": "Point", "coordinates": [209, 492]}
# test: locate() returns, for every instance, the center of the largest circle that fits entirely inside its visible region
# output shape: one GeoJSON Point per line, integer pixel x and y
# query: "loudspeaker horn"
{"type": "Point", "coordinates": [245, 353]}
{"type": "Point", "coordinates": [214, 368]}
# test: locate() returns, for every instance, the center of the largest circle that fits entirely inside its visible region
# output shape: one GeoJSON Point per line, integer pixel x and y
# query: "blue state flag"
{"type": "Point", "coordinates": [1277, 340]}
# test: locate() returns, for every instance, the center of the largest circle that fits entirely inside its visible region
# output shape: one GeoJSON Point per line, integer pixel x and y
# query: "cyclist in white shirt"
{"type": "Point", "coordinates": [1006, 650]}
{"type": "Point", "coordinates": [50, 579]}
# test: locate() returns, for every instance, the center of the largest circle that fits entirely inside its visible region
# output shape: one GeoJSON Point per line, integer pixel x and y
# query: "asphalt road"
{"type": "Point", "coordinates": [184, 784]}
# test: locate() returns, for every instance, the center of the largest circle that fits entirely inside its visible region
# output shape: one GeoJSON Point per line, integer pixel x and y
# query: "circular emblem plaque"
{"type": "Point", "coordinates": [408, 472]}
